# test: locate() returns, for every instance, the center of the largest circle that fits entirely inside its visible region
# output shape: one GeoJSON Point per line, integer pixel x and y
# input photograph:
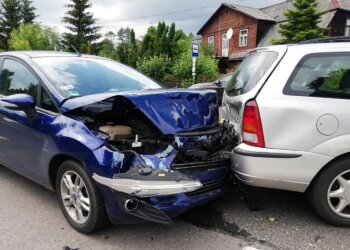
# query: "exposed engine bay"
{"type": "Point", "coordinates": [160, 147]}
{"type": "Point", "coordinates": [125, 128]}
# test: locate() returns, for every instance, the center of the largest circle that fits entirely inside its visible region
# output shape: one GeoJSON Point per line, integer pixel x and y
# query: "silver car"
{"type": "Point", "coordinates": [290, 105]}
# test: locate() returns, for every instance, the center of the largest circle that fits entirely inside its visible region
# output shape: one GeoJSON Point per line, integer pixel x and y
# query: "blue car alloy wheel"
{"type": "Point", "coordinates": [112, 143]}
{"type": "Point", "coordinates": [79, 198]}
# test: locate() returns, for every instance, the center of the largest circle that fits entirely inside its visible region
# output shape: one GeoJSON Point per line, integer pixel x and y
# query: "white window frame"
{"type": "Point", "coordinates": [211, 41]}
{"type": "Point", "coordinates": [243, 38]}
{"type": "Point", "coordinates": [347, 26]}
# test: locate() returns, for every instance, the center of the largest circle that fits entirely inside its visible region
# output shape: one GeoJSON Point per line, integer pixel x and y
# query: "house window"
{"type": "Point", "coordinates": [243, 38]}
{"type": "Point", "coordinates": [347, 27]}
{"type": "Point", "coordinates": [211, 41]}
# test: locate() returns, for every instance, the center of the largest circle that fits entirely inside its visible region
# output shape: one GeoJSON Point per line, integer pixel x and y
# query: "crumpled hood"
{"type": "Point", "coordinates": [172, 111]}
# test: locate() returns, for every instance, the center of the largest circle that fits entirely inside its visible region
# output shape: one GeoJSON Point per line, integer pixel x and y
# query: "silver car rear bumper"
{"type": "Point", "coordinates": [278, 169]}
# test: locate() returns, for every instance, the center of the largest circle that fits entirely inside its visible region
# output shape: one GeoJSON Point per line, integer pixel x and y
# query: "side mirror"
{"type": "Point", "coordinates": [21, 102]}
{"type": "Point", "coordinates": [18, 102]}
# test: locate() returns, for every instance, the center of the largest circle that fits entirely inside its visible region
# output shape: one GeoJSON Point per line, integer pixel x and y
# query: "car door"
{"type": "Point", "coordinates": [20, 139]}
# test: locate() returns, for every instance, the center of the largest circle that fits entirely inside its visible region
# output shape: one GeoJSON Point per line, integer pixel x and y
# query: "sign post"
{"type": "Point", "coordinates": [195, 54]}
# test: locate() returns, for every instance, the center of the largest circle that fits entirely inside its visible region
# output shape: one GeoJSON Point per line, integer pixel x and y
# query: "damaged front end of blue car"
{"type": "Point", "coordinates": [162, 151]}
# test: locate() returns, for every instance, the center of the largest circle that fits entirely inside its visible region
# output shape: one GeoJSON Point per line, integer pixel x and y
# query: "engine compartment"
{"type": "Point", "coordinates": [125, 128]}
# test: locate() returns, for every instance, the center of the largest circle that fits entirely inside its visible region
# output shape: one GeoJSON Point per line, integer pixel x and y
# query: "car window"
{"type": "Point", "coordinates": [15, 78]}
{"type": "Point", "coordinates": [81, 76]}
{"type": "Point", "coordinates": [321, 75]}
{"type": "Point", "coordinates": [250, 72]}
{"type": "Point", "coordinates": [46, 101]}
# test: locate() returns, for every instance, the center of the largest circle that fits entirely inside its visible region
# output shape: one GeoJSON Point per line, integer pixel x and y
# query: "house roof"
{"type": "Point", "coordinates": [275, 13]}
{"type": "Point", "coordinates": [274, 34]}
{"type": "Point", "coordinates": [252, 12]}
{"type": "Point", "coordinates": [249, 11]}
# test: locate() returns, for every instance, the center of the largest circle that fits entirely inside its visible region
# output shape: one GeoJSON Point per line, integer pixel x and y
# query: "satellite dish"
{"type": "Point", "coordinates": [229, 33]}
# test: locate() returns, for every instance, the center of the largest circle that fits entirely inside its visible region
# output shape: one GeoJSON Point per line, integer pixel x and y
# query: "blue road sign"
{"type": "Point", "coordinates": [195, 49]}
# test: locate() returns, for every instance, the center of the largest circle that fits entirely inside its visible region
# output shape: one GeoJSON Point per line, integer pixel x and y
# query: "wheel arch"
{"type": "Point", "coordinates": [54, 165]}
{"type": "Point", "coordinates": [328, 165]}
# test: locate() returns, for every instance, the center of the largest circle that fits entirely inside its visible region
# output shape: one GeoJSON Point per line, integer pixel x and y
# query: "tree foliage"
{"type": "Point", "coordinates": [33, 37]}
{"type": "Point", "coordinates": [162, 40]}
{"type": "Point", "coordinates": [157, 67]}
{"type": "Point", "coordinates": [127, 49]}
{"type": "Point", "coordinates": [164, 54]}
{"type": "Point", "coordinates": [12, 14]}
{"type": "Point", "coordinates": [106, 48]}
{"type": "Point", "coordinates": [81, 24]}
{"type": "Point", "coordinates": [302, 23]}
{"type": "Point", "coordinates": [27, 11]}
{"type": "Point", "coordinates": [10, 18]}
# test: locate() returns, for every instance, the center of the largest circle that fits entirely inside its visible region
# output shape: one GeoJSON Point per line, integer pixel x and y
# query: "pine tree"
{"type": "Point", "coordinates": [162, 40]}
{"type": "Point", "coordinates": [28, 12]}
{"type": "Point", "coordinates": [133, 51]}
{"type": "Point", "coordinates": [10, 18]}
{"type": "Point", "coordinates": [122, 49]}
{"type": "Point", "coordinates": [302, 23]}
{"type": "Point", "coordinates": [81, 24]}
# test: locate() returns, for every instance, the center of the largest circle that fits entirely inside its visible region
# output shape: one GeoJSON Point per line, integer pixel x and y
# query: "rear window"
{"type": "Point", "coordinates": [321, 75]}
{"type": "Point", "coordinates": [250, 72]}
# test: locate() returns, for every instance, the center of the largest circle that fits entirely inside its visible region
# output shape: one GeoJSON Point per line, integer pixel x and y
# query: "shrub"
{"type": "Point", "coordinates": [206, 68]}
{"type": "Point", "coordinates": [157, 67]}
{"type": "Point", "coordinates": [33, 37]}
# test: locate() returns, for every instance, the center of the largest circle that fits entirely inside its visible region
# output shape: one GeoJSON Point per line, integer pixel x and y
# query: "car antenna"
{"type": "Point", "coordinates": [65, 41]}
{"type": "Point", "coordinates": [72, 46]}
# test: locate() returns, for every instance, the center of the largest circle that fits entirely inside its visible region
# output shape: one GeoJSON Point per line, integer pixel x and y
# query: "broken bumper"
{"type": "Point", "coordinates": [132, 189]}
{"type": "Point", "coordinates": [149, 188]}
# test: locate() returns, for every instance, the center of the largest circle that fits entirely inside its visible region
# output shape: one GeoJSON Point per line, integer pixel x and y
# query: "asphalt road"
{"type": "Point", "coordinates": [31, 219]}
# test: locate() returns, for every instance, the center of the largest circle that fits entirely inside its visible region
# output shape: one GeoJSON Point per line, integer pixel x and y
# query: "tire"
{"type": "Point", "coordinates": [330, 191]}
{"type": "Point", "coordinates": [83, 206]}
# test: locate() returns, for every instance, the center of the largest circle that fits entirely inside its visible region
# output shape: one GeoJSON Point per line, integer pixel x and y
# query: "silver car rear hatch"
{"type": "Point", "coordinates": [247, 81]}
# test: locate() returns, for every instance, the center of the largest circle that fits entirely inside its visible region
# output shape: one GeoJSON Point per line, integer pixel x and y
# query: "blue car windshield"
{"type": "Point", "coordinates": [81, 76]}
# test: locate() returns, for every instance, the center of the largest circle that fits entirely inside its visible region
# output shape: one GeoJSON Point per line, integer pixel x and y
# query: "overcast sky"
{"type": "Point", "coordinates": [140, 14]}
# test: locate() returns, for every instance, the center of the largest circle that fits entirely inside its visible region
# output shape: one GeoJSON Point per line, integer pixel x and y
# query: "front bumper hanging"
{"type": "Point", "coordinates": [146, 182]}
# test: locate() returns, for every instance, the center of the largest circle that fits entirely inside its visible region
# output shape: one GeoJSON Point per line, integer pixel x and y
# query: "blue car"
{"type": "Point", "coordinates": [112, 143]}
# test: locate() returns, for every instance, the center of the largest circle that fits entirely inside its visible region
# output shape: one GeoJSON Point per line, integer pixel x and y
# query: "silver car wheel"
{"type": "Point", "coordinates": [339, 195]}
{"type": "Point", "coordinates": [75, 197]}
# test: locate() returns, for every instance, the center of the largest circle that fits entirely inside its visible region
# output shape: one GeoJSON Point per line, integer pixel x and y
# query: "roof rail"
{"type": "Point", "coordinates": [339, 39]}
